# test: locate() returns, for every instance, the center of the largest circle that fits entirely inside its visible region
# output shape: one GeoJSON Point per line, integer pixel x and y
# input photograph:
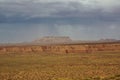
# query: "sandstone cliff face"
{"type": "Point", "coordinates": [74, 48]}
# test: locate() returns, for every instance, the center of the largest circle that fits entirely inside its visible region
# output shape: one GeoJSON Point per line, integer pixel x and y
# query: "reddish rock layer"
{"type": "Point", "coordinates": [68, 48]}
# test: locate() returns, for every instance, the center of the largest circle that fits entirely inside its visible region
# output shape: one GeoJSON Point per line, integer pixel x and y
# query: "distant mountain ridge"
{"type": "Point", "coordinates": [108, 40]}
{"type": "Point", "coordinates": [53, 39]}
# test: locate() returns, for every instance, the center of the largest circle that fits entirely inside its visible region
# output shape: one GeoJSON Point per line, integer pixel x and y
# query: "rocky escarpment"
{"type": "Point", "coordinates": [65, 48]}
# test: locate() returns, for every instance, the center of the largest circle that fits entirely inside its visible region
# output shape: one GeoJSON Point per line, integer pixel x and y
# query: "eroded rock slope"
{"type": "Point", "coordinates": [64, 48]}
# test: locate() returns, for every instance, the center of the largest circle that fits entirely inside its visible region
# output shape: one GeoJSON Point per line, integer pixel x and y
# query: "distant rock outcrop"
{"type": "Point", "coordinates": [53, 39]}
{"type": "Point", "coordinates": [108, 40]}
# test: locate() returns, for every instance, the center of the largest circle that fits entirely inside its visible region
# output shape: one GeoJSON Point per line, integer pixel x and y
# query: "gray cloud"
{"type": "Point", "coordinates": [83, 19]}
{"type": "Point", "coordinates": [28, 10]}
{"type": "Point", "coordinates": [70, 12]}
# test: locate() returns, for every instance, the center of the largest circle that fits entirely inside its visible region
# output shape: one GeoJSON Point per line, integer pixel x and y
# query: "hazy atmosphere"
{"type": "Point", "coordinates": [26, 20]}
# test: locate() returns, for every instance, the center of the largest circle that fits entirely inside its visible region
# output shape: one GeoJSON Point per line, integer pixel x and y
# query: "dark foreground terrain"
{"type": "Point", "coordinates": [83, 66]}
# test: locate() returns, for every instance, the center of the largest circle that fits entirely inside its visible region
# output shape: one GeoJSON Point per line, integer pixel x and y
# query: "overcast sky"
{"type": "Point", "coordinates": [26, 20]}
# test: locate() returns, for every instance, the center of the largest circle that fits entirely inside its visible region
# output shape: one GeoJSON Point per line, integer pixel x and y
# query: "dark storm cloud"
{"type": "Point", "coordinates": [55, 12]}
{"type": "Point", "coordinates": [26, 20]}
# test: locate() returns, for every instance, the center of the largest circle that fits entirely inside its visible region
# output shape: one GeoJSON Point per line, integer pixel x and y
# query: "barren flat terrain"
{"type": "Point", "coordinates": [59, 39]}
{"type": "Point", "coordinates": [83, 66]}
